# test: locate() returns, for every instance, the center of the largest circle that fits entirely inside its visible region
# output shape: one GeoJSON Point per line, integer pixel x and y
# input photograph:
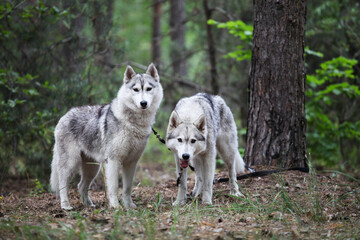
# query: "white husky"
{"type": "Point", "coordinates": [114, 134]}
{"type": "Point", "coordinates": [198, 126]}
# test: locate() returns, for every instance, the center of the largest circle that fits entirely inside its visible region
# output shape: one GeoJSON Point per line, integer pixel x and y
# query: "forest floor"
{"type": "Point", "coordinates": [288, 205]}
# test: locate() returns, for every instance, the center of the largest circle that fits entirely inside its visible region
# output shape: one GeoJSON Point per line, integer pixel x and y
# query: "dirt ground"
{"type": "Point", "coordinates": [289, 205]}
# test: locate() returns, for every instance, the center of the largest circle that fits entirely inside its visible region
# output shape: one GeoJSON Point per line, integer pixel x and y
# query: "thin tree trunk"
{"type": "Point", "coordinates": [102, 49]}
{"type": "Point", "coordinates": [102, 23]}
{"type": "Point", "coordinates": [71, 48]}
{"type": "Point", "coordinates": [276, 119]}
{"type": "Point", "coordinates": [156, 36]}
{"type": "Point", "coordinates": [177, 35]}
{"type": "Point", "coordinates": [211, 50]}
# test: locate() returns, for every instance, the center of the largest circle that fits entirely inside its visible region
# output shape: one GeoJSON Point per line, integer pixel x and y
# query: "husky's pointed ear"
{"type": "Point", "coordinates": [200, 124]}
{"type": "Point", "coordinates": [174, 121]}
{"type": "Point", "coordinates": [129, 74]}
{"type": "Point", "coordinates": [152, 71]}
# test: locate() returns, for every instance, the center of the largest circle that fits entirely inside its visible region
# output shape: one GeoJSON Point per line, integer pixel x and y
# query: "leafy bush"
{"type": "Point", "coordinates": [35, 81]}
{"type": "Point", "coordinates": [330, 108]}
{"type": "Point", "coordinates": [25, 135]}
{"type": "Point", "coordinates": [241, 30]}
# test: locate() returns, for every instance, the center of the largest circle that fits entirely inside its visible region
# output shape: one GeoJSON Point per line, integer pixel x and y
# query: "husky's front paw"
{"type": "Point", "coordinates": [236, 193]}
{"type": "Point", "coordinates": [206, 198]}
{"type": "Point", "coordinates": [207, 202]}
{"type": "Point", "coordinates": [114, 204]}
{"type": "Point", "coordinates": [195, 193]}
{"type": "Point", "coordinates": [179, 202]}
{"type": "Point", "coordinates": [128, 203]}
{"type": "Point", "coordinates": [87, 202]}
{"type": "Point", "coordinates": [66, 206]}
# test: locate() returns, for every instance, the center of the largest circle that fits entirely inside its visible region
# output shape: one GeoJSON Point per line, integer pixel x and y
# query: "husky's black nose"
{"type": "Point", "coordinates": [143, 104]}
{"type": "Point", "coordinates": [186, 156]}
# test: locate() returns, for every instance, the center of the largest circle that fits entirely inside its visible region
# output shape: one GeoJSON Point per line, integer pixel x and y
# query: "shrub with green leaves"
{"type": "Point", "coordinates": [47, 65]}
{"type": "Point", "coordinates": [241, 30]}
{"type": "Point", "coordinates": [333, 133]}
{"type": "Point", "coordinates": [26, 81]}
{"type": "Point", "coordinates": [24, 136]}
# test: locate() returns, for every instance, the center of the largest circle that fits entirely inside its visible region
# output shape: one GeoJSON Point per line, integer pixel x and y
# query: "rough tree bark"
{"type": "Point", "coordinates": [156, 34]}
{"type": "Point", "coordinates": [276, 119]}
{"type": "Point", "coordinates": [211, 49]}
{"type": "Point", "coordinates": [177, 35]}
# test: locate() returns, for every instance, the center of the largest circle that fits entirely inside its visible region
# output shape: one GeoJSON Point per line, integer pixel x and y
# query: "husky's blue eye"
{"type": "Point", "coordinates": [148, 89]}
{"type": "Point", "coordinates": [193, 140]}
{"type": "Point", "coordinates": [135, 89]}
{"type": "Point", "coordinates": [179, 140]}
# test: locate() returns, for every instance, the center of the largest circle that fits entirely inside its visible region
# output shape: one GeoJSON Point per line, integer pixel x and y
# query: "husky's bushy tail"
{"type": "Point", "coordinates": [239, 163]}
{"type": "Point", "coordinates": [54, 177]}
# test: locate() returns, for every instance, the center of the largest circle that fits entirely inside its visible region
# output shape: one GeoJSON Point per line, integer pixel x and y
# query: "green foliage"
{"type": "Point", "coordinates": [38, 189]}
{"type": "Point", "coordinates": [25, 132]}
{"type": "Point", "coordinates": [241, 30]}
{"type": "Point", "coordinates": [329, 88]}
{"type": "Point", "coordinates": [332, 87]}
{"type": "Point", "coordinates": [21, 121]}
{"type": "Point", "coordinates": [332, 26]}
{"type": "Point", "coordinates": [46, 66]}
{"type": "Point", "coordinates": [59, 54]}
{"type": "Point", "coordinates": [308, 51]}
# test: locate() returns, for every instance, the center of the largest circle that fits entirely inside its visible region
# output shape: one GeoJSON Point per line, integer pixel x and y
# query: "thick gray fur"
{"type": "Point", "coordinates": [199, 127]}
{"type": "Point", "coordinates": [114, 134]}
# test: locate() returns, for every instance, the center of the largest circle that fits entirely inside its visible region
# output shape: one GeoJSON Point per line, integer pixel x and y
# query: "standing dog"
{"type": "Point", "coordinates": [114, 134]}
{"type": "Point", "coordinates": [198, 126]}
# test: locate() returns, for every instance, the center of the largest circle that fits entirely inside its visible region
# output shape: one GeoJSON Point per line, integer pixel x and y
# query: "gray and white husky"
{"type": "Point", "coordinates": [114, 134]}
{"type": "Point", "coordinates": [199, 127]}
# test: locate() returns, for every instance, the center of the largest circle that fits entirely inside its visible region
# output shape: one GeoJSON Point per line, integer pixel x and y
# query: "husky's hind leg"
{"type": "Point", "coordinates": [88, 171]}
{"type": "Point", "coordinates": [227, 148]}
{"type": "Point", "coordinates": [54, 177]}
{"type": "Point", "coordinates": [68, 166]}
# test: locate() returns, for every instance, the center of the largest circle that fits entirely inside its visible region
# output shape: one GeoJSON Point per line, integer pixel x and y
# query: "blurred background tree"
{"type": "Point", "coordinates": [58, 54]}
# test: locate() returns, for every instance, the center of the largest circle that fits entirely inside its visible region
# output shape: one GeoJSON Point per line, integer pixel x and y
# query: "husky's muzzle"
{"type": "Point", "coordinates": [143, 104]}
{"type": "Point", "coordinates": [184, 161]}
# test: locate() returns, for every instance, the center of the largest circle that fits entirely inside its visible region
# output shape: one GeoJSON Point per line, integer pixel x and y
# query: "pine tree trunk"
{"type": "Point", "coordinates": [156, 36]}
{"type": "Point", "coordinates": [177, 34]}
{"type": "Point", "coordinates": [211, 49]}
{"type": "Point", "coordinates": [276, 119]}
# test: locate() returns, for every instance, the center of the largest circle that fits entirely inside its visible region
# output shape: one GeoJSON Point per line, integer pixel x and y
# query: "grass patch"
{"type": "Point", "coordinates": [281, 206]}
